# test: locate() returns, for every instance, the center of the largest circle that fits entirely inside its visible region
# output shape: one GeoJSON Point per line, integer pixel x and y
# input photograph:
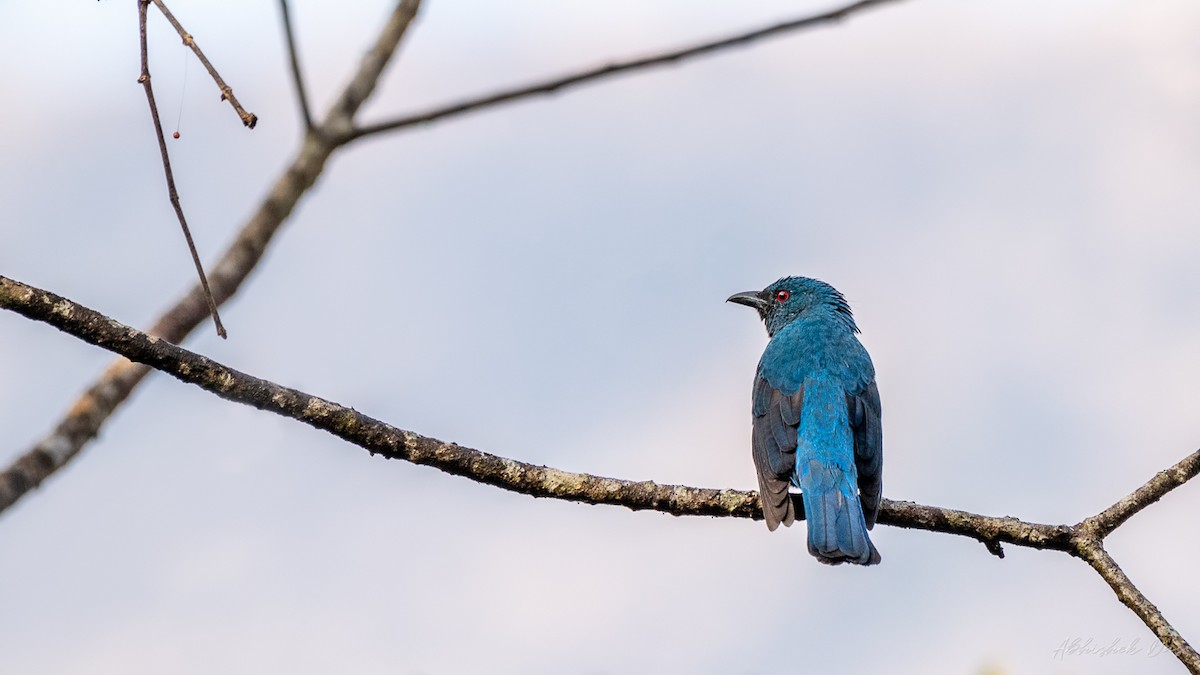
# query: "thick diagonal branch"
{"type": "Point", "coordinates": [625, 66]}
{"type": "Point", "coordinates": [89, 412]}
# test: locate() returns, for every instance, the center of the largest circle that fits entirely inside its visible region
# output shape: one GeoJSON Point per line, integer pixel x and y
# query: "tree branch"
{"type": "Point", "coordinates": [249, 119]}
{"type": "Point", "coordinates": [172, 193]}
{"type": "Point", "coordinates": [89, 412]}
{"type": "Point", "coordinates": [1101, 524]}
{"type": "Point", "coordinates": [374, 61]}
{"type": "Point", "coordinates": [1093, 552]}
{"type": "Point", "coordinates": [666, 57]}
{"type": "Point", "coordinates": [540, 481]}
{"type": "Point", "coordinates": [297, 74]}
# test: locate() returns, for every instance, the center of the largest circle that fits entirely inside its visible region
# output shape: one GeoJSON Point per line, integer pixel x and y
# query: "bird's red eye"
{"type": "Point", "coordinates": [782, 296]}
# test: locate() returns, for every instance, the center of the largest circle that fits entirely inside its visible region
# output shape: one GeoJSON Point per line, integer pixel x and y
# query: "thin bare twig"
{"type": "Point", "coordinates": [671, 56]}
{"type": "Point", "coordinates": [249, 119]}
{"type": "Point", "coordinates": [172, 193]}
{"type": "Point", "coordinates": [297, 75]}
{"type": "Point", "coordinates": [94, 406]}
{"type": "Point", "coordinates": [540, 481]}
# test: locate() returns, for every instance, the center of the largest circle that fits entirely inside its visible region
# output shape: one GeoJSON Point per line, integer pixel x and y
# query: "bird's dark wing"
{"type": "Point", "coordinates": [776, 416]}
{"type": "Point", "coordinates": [864, 414]}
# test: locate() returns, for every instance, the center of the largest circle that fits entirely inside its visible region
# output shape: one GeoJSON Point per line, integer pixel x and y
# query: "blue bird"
{"type": "Point", "coordinates": [817, 419]}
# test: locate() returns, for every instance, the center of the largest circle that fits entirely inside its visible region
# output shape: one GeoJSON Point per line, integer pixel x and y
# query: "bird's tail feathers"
{"type": "Point", "coordinates": [837, 529]}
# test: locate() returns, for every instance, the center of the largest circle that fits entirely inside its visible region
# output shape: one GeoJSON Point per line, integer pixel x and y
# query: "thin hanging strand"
{"type": "Point", "coordinates": [182, 95]}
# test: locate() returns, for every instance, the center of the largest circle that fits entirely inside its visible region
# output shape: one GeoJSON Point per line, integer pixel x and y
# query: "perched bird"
{"type": "Point", "coordinates": [816, 419]}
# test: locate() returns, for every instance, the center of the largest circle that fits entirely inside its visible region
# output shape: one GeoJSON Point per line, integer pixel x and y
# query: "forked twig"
{"type": "Point", "coordinates": [248, 118]}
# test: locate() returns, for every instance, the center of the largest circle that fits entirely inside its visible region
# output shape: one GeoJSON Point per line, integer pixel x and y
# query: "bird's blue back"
{"type": "Point", "coordinates": [817, 420]}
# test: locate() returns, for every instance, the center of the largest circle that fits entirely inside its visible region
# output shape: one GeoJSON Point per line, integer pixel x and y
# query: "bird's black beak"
{"type": "Point", "coordinates": [750, 299]}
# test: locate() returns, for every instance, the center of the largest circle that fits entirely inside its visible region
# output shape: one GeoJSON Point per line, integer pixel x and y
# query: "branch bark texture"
{"type": "Point", "coordinates": [1081, 540]}
{"type": "Point", "coordinates": [1093, 552]}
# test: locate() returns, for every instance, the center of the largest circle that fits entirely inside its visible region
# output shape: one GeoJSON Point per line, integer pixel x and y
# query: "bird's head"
{"type": "Point", "coordinates": [793, 297]}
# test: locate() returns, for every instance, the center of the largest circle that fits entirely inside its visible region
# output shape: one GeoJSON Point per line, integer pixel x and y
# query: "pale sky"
{"type": "Point", "coordinates": [1005, 192]}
